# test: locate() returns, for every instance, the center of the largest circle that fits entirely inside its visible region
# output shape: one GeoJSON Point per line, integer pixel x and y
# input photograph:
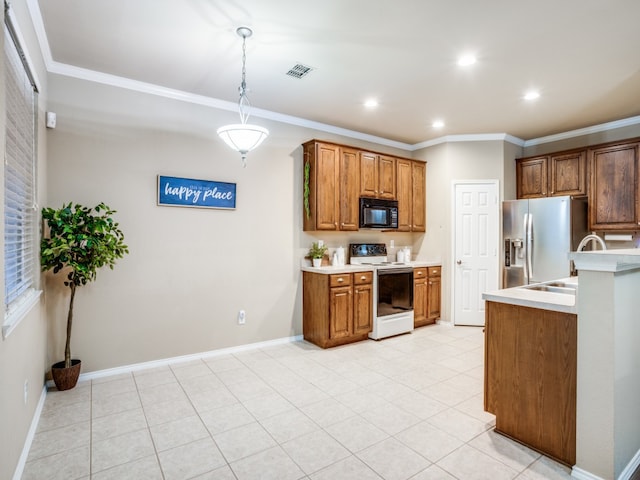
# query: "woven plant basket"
{"type": "Point", "coordinates": [66, 378]}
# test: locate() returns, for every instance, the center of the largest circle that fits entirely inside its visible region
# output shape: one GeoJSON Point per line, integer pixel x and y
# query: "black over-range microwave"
{"type": "Point", "coordinates": [377, 213]}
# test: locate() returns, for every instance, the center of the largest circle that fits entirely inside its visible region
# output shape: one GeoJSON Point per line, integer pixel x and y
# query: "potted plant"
{"type": "Point", "coordinates": [316, 252]}
{"type": "Point", "coordinates": [81, 240]}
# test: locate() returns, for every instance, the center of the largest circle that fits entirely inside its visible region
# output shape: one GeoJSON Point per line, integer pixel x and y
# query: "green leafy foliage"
{"type": "Point", "coordinates": [317, 251]}
{"type": "Point", "coordinates": [80, 241]}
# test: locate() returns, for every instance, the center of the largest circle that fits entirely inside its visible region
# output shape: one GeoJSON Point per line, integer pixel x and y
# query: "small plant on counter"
{"type": "Point", "coordinates": [317, 251]}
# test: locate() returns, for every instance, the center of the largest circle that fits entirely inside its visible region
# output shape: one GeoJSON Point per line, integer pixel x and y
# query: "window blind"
{"type": "Point", "coordinates": [20, 254]}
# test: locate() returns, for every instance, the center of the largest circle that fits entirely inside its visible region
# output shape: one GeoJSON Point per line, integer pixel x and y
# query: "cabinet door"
{"type": "Point", "coordinates": [568, 174]}
{"type": "Point", "coordinates": [433, 298]}
{"type": "Point", "coordinates": [362, 308]}
{"type": "Point", "coordinates": [405, 195]}
{"type": "Point", "coordinates": [386, 177]}
{"type": "Point", "coordinates": [419, 196]}
{"type": "Point", "coordinates": [341, 312]}
{"type": "Point", "coordinates": [348, 200]}
{"type": "Point", "coordinates": [368, 174]}
{"type": "Point", "coordinates": [531, 177]}
{"type": "Point", "coordinates": [614, 187]}
{"type": "Point", "coordinates": [419, 296]}
{"type": "Point", "coordinates": [327, 171]}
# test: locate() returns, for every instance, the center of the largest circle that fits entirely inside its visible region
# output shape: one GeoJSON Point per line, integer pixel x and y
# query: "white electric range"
{"type": "Point", "coordinates": [392, 290]}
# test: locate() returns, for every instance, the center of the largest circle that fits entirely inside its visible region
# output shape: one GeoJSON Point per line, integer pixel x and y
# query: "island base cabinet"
{"type": "Point", "coordinates": [530, 377]}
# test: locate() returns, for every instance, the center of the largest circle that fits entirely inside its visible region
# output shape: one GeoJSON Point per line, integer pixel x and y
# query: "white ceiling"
{"type": "Point", "coordinates": [582, 55]}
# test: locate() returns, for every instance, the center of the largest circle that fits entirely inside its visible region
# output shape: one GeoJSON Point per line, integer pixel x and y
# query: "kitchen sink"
{"type": "Point", "coordinates": [554, 287]}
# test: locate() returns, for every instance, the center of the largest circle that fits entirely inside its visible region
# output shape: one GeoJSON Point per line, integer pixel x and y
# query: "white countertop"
{"type": "Point", "coordinates": [329, 269]}
{"type": "Point", "coordinates": [613, 260]}
{"type": "Point", "coordinates": [558, 302]}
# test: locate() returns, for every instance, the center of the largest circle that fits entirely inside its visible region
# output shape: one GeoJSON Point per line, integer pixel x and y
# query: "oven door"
{"type": "Point", "coordinates": [395, 291]}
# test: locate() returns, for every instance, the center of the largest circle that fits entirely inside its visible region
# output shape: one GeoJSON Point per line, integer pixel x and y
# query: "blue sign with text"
{"type": "Point", "coordinates": [187, 192]}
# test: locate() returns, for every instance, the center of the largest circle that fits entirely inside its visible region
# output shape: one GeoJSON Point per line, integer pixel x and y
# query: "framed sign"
{"type": "Point", "coordinates": [188, 192]}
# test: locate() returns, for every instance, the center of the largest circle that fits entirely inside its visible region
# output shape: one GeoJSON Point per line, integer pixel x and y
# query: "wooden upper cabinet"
{"type": "Point", "coordinates": [377, 176]}
{"type": "Point", "coordinates": [419, 194]}
{"type": "Point", "coordinates": [405, 195]}
{"type": "Point", "coordinates": [614, 195]}
{"type": "Point", "coordinates": [552, 175]}
{"type": "Point", "coordinates": [368, 174]}
{"type": "Point", "coordinates": [531, 177]}
{"type": "Point", "coordinates": [411, 194]}
{"type": "Point", "coordinates": [386, 177]}
{"type": "Point", "coordinates": [348, 201]}
{"type": "Point", "coordinates": [568, 174]}
{"type": "Point", "coordinates": [331, 181]}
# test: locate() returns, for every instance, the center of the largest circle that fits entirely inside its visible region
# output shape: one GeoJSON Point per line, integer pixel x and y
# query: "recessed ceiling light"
{"type": "Point", "coordinates": [531, 95]}
{"type": "Point", "coordinates": [437, 124]}
{"type": "Point", "coordinates": [371, 103]}
{"type": "Point", "coordinates": [466, 60]}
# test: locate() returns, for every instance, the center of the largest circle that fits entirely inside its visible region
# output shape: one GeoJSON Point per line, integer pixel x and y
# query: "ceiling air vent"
{"type": "Point", "coordinates": [299, 71]}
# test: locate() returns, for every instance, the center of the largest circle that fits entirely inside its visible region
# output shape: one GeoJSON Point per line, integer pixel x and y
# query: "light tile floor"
{"type": "Point", "coordinates": [408, 407]}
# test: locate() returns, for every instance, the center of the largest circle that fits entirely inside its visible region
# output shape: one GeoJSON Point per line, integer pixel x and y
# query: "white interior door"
{"type": "Point", "coordinates": [475, 238]}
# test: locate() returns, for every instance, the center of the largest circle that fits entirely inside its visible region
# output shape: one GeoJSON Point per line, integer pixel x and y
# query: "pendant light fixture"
{"type": "Point", "coordinates": [243, 137]}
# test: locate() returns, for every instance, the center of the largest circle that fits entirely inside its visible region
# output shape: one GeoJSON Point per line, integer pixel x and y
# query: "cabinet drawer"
{"type": "Point", "coordinates": [340, 280]}
{"type": "Point", "coordinates": [420, 272]}
{"type": "Point", "coordinates": [360, 278]}
{"type": "Point", "coordinates": [435, 271]}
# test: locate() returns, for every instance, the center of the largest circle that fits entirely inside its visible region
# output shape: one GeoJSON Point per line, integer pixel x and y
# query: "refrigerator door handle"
{"type": "Point", "coordinates": [525, 246]}
{"type": "Point", "coordinates": [529, 237]}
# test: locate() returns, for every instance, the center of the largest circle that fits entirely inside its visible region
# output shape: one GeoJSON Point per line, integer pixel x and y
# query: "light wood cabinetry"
{"type": "Point", "coordinates": [530, 377]}
{"type": "Point", "coordinates": [336, 176]}
{"type": "Point", "coordinates": [337, 308]}
{"type": "Point", "coordinates": [434, 292]}
{"type": "Point", "coordinates": [552, 175]}
{"type": "Point", "coordinates": [377, 176]}
{"type": "Point", "coordinates": [426, 295]}
{"type": "Point", "coordinates": [411, 194]}
{"type": "Point", "coordinates": [614, 199]}
{"type": "Point", "coordinates": [331, 182]}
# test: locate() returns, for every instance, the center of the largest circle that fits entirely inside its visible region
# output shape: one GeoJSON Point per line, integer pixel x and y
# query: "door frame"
{"type": "Point", "coordinates": [454, 184]}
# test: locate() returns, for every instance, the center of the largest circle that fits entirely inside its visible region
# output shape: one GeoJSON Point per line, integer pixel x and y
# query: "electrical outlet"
{"type": "Point", "coordinates": [242, 317]}
{"type": "Point", "coordinates": [26, 391]}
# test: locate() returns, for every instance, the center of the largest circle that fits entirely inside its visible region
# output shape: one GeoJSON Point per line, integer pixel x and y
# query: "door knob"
{"type": "Point", "coordinates": [459, 262]}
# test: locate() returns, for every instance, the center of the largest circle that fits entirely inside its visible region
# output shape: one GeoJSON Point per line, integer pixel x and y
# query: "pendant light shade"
{"type": "Point", "coordinates": [243, 137]}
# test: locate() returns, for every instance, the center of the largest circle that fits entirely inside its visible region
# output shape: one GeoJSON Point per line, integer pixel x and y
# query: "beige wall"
{"type": "Point", "coordinates": [190, 270]}
{"type": "Point", "coordinates": [22, 353]}
{"type": "Point", "coordinates": [482, 160]}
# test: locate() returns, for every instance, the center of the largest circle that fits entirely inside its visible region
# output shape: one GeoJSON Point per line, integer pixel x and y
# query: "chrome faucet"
{"type": "Point", "coordinates": [592, 237]}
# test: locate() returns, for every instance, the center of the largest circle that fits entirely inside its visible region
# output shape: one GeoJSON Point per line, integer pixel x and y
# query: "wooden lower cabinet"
{"type": "Point", "coordinates": [530, 377]}
{"type": "Point", "coordinates": [426, 295]}
{"type": "Point", "coordinates": [337, 308]}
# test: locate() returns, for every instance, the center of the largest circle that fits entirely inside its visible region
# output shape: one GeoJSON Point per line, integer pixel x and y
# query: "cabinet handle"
{"type": "Point", "coordinates": [419, 273]}
{"type": "Point", "coordinates": [357, 291]}
{"type": "Point", "coordinates": [341, 280]}
{"type": "Point", "coordinates": [363, 278]}
{"type": "Point", "coordinates": [430, 283]}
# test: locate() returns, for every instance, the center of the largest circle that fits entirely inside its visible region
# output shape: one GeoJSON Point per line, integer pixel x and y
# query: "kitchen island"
{"type": "Point", "coordinates": [530, 366]}
{"type": "Point", "coordinates": [607, 418]}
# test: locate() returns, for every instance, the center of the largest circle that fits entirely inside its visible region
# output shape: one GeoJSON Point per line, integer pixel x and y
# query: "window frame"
{"type": "Point", "coordinates": [27, 236]}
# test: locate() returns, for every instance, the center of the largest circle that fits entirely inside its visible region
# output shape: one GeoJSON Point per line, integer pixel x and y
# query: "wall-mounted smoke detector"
{"type": "Point", "coordinates": [299, 70]}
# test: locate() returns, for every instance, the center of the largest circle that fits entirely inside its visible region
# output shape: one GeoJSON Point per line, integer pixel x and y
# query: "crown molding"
{"type": "Point", "coordinates": [603, 127]}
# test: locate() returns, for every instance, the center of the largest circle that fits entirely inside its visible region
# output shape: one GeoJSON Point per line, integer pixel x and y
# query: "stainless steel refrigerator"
{"type": "Point", "coordinates": [537, 236]}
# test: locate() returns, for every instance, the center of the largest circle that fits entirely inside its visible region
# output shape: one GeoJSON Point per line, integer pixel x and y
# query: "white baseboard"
{"type": "Point", "coordinates": [184, 358]}
{"type": "Point", "coordinates": [583, 474]}
{"type": "Point", "coordinates": [17, 474]}
{"type": "Point", "coordinates": [626, 474]}
{"type": "Point", "coordinates": [631, 467]}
